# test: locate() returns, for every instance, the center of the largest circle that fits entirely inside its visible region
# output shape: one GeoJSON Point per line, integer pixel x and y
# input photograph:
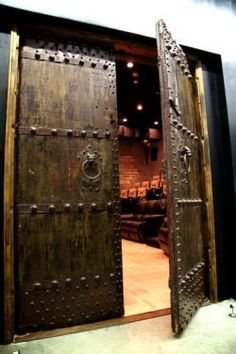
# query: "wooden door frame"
{"type": "Point", "coordinates": [9, 167]}
{"type": "Point", "coordinates": [207, 186]}
{"type": "Point", "coordinates": [124, 45]}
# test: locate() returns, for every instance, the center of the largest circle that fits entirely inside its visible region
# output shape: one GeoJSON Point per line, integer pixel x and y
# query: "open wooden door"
{"type": "Point", "coordinates": [68, 267]}
{"type": "Point", "coordinates": [188, 261]}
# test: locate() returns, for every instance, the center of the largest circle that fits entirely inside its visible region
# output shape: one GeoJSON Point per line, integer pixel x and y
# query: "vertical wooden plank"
{"type": "Point", "coordinates": [207, 187]}
{"type": "Point", "coordinates": [9, 191]}
{"type": "Point", "coordinates": [4, 49]}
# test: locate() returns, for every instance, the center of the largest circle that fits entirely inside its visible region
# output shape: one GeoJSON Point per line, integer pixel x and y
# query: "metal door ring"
{"type": "Point", "coordinates": [90, 167]}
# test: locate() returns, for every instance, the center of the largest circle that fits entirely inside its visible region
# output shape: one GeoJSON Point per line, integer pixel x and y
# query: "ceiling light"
{"type": "Point", "coordinates": [135, 74]}
{"type": "Point", "coordinates": [156, 122]}
{"type": "Point", "coordinates": [130, 64]}
{"type": "Point", "coordinates": [139, 107]}
{"type": "Point", "coordinates": [124, 120]}
{"type": "Point", "coordinates": [135, 82]}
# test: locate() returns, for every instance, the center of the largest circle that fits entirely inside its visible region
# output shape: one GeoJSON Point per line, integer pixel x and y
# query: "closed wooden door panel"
{"type": "Point", "coordinates": [67, 240]}
{"type": "Point", "coordinates": [54, 170]}
{"type": "Point", "coordinates": [73, 90]}
{"type": "Point", "coordinates": [188, 265]}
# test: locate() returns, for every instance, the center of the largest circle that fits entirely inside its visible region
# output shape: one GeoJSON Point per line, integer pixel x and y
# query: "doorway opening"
{"type": "Point", "coordinates": [143, 193]}
{"type": "Point", "coordinates": [143, 189]}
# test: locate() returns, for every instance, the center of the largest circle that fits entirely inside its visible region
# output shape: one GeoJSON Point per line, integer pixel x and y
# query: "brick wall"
{"type": "Point", "coordinates": [135, 162]}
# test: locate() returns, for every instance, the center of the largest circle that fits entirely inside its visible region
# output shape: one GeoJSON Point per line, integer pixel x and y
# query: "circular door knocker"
{"type": "Point", "coordinates": [90, 167]}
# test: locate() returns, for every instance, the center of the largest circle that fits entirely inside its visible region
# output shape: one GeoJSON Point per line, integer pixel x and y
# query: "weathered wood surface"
{"type": "Point", "coordinates": [188, 258]}
{"type": "Point", "coordinates": [68, 249]}
{"type": "Point", "coordinates": [207, 187]}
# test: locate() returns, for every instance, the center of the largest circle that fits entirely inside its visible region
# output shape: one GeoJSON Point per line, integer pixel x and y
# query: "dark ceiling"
{"type": "Point", "coordinates": [138, 85]}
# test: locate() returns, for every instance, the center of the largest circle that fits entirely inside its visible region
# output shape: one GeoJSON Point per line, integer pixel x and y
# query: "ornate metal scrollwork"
{"type": "Point", "coordinates": [185, 154]}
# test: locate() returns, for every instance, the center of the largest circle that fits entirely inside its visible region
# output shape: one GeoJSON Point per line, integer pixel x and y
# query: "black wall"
{"type": "Point", "coordinates": [221, 168]}
{"type": "Point", "coordinates": [222, 174]}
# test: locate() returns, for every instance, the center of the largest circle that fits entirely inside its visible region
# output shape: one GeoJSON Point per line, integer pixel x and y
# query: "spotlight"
{"type": "Point", "coordinates": [130, 64]}
{"type": "Point", "coordinates": [139, 107]}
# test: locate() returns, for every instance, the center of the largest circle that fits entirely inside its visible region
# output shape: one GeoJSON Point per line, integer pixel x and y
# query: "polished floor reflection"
{"type": "Point", "coordinates": [146, 273]}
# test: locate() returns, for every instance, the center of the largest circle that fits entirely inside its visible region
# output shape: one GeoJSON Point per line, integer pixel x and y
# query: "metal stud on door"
{"type": "Point", "coordinates": [68, 251]}
{"type": "Point", "coordinates": [180, 113]}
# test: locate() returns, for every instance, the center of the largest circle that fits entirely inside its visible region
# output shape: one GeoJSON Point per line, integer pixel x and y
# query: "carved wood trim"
{"type": "Point", "coordinates": [9, 190]}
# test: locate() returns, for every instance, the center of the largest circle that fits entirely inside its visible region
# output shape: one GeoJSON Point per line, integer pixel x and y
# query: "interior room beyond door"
{"type": "Point", "coordinates": [143, 188]}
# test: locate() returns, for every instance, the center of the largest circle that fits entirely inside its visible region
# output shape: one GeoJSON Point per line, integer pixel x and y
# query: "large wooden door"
{"type": "Point", "coordinates": [188, 261]}
{"type": "Point", "coordinates": [67, 240]}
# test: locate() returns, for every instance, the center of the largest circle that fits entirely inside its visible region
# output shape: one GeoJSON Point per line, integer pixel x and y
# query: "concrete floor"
{"type": "Point", "coordinates": [211, 331]}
